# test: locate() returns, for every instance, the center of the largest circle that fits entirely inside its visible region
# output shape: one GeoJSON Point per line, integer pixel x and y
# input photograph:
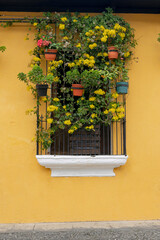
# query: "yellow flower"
{"type": "Point", "coordinates": [71, 65]}
{"type": "Point", "coordinates": [36, 59]}
{"type": "Point", "coordinates": [91, 99]}
{"type": "Point", "coordinates": [120, 109]}
{"type": "Point", "coordinates": [115, 95]}
{"type": "Point", "coordinates": [65, 38]}
{"type": "Point", "coordinates": [91, 46]}
{"type": "Point", "coordinates": [70, 131]}
{"type": "Point", "coordinates": [86, 55]}
{"type": "Point", "coordinates": [29, 111]}
{"type": "Point", "coordinates": [89, 127]}
{"type": "Point", "coordinates": [82, 98]}
{"type": "Point", "coordinates": [112, 110]}
{"type": "Point", "coordinates": [68, 114]}
{"type": "Point", "coordinates": [87, 34]}
{"type": "Point", "coordinates": [47, 26]}
{"type": "Point", "coordinates": [114, 105]}
{"type": "Point", "coordinates": [33, 139]}
{"type": "Point", "coordinates": [117, 26]}
{"type": "Point", "coordinates": [106, 111]}
{"type": "Point", "coordinates": [64, 19]}
{"type": "Point", "coordinates": [91, 57]}
{"type": "Point", "coordinates": [107, 63]}
{"type": "Point", "coordinates": [30, 52]}
{"type": "Point", "coordinates": [91, 120]}
{"type": "Point", "coordinates": [100, 54]}
{"type": "Point", "coordinates": [78, 45]}
{"type": "Point", "coordinates": [115, 118]}
{"type": "Point", "coordinates": [99, 92]}
{"type": "Point", "coordinates": [112, 33]}
{"type": "Point", "coordinates": [121, 115]}
{"type": "Point", "coordinates": [55, 79]}
{"type": "Point", "coordinates": [92, 106]}
{"type": "Point", "coordinates": [35, 24]}
{"type": "Point", "coordinates": [93, 115]}
{"type": "Point", "coordinates": [102, 28]}
{"type": "Point", "coordinates": [61, 26]}
{"type": "Point", "coordinates": [104, 39]}
{"type": "Point", "coordinates": [67, 122]}
{"type": "Point", "coordinates": [105, 54]}
{"type": "Point", "coordinates": [50, 120]}
{"type": "Point", "coordinates": [44, 99]}
{"type": "Point", "coordinates": [122, 35]}
{"type": "Point", "coordinates": [29, 87]}
{"type": "Point", "coordinates": [126, 54]}
{"type": "Point", "coordinates": [52, 108]}
{"type": "Point", "coordinates": [64, 107]}
{"type": "Point", "coordinates": [97, 27]}
{"type": "Point", "coordinates": [123, 29]}
{"type": "Point", "coordinates": [56, 99]}
{"type": "Point", "coordinates": [87, 16]}
{"type": "Point", "coordinates": [74, 20]}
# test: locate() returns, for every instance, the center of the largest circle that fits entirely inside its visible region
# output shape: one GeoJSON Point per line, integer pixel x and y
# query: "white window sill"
{"type": "Point", "coordinates": [81, 166]}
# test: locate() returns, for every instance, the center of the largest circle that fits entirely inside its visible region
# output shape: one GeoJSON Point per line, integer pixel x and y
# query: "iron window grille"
{"type": "Point", "coordinates": [105, 140]}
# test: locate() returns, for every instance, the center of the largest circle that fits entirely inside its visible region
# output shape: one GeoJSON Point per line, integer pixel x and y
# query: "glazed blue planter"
{"type": "Point", "coordinates": [122, 87]}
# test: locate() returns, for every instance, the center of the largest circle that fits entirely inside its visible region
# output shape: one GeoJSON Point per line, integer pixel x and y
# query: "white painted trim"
{"type": "Point", "coordinates": [81, 166]}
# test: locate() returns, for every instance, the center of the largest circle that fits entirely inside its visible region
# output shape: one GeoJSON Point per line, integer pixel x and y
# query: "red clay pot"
{"type": "Point", "coordinates": [78, 90]}
{"type": "Point", "coordinates": [50, 54]}
{"type": "Point", "coordinates": [112, 52]}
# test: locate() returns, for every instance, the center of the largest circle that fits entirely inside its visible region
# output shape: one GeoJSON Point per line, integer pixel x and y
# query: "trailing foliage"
{"type": "Point", "coordinates": [82, 42]}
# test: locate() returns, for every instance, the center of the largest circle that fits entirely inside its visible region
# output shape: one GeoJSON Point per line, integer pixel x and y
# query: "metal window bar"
{"type": "Point", "coordinates": [106, 140]}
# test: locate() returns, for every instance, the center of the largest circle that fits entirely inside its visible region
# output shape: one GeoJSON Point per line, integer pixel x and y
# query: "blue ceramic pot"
{"type": "Point", "coordinates": [122, 87]}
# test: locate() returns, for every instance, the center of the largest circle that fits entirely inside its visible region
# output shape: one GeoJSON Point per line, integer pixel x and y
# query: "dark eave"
{"type": "Point", "coordinates": [119, 6]}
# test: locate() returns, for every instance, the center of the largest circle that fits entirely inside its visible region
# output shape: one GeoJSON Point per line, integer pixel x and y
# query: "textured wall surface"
{"type": "Point", "coordinates": [27, 191]}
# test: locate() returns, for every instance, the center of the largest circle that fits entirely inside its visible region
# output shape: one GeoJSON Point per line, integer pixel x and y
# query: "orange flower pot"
{"type": "Point", "coordinates": [78, 90]}
{"type": "Point", "coordinates": [112, 52]}
{"type": "Point", "coordinates": [50, 54]}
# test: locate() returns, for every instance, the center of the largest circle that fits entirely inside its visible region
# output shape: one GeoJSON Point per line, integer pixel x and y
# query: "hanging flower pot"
{"type": "Point", "coordinates": [112, 53]}
{"type": "Point", "coordinates": [78, 90]}
{"type": "Point", "coordinates": [50, 54]}
{"type": "Point", "coordinates": [122, 87]}
{"type": "Point", "coordinates": [42, 89]}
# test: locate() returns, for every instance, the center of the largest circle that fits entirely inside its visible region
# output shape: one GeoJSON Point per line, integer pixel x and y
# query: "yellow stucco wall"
{"type": "Point", "coordinates": [27, 191]}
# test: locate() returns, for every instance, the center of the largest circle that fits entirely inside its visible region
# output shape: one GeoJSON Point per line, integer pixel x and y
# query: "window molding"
{"type": "Point", "coordinates": [81, 166]}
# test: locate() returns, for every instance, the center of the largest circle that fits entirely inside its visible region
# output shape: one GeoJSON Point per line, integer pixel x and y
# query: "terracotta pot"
{"type": "Point", "coordinates": [50, 54]}
{"type": "Point", "coordinates": [42, 89]}
{"type": "Point", "coordinates": [112, 52]}
{"type": "Point", "coordinates": [78, 90]}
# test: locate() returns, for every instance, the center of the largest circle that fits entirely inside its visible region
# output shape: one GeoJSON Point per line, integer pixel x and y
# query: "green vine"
{"type": "Point", "coordinates": [83, 47]}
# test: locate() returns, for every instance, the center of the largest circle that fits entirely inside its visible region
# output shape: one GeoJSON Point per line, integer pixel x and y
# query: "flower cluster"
{"type": "Point", "coordinates": [99, 92]}
{"type": "Point", "coordinates": [83, 59]}
{"type": "Point", "coordinates": [43, 43]}
{"type": "Point", "coordinates": [52, 108]}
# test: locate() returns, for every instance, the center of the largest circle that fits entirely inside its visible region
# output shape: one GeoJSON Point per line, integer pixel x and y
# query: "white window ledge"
{"type": "Point", "coordinates": [81, 166]}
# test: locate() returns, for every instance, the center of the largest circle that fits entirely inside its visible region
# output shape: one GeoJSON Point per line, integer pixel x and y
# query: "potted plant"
{"type": "Point", "coordinates": [90, 78]}
{"type": "Point", "coordinates": [112, 52]}
{"type": "Point", "coordinates": [50, 46]}
{"type": "Point", "coordinates": [122, 84]}
{"type": "Point", "coordinates": [37, 77]}
{"type": "Point", "coordinates": [75, 76]}
{"type": "Point", "coordinates": [2, 48]}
